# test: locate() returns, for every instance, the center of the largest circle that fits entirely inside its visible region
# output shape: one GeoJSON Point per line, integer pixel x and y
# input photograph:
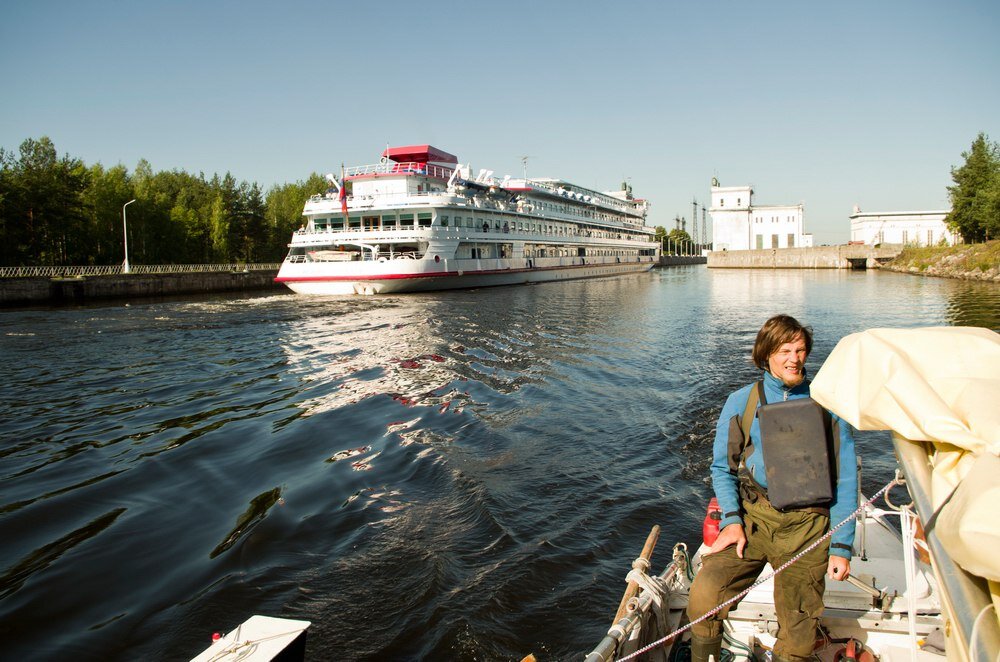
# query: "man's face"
{"type": "Point", "coordinates": [788, 361]}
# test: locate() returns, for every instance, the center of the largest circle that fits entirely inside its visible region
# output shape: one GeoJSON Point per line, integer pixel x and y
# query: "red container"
{"type": "Point", "coordinates": [710, 527]}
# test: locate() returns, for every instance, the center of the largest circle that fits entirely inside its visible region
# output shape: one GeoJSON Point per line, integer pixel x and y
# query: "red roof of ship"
{"type": "Point", "coordinates": [419, 154]}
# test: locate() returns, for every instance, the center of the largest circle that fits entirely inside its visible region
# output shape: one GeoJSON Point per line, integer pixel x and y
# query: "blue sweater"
{"type": "Point", "coordinates": [845, 500]}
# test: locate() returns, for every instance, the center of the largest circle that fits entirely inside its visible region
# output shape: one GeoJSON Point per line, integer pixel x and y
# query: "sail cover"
{"type": "Point", "coordinates": [941, 385]}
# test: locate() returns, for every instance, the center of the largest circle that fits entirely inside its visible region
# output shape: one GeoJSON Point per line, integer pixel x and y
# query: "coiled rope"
{"type": "Point", "coordinates": [736, 598]}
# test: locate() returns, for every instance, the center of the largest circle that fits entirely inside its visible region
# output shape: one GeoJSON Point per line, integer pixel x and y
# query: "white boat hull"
{"type": "Point", "coordinates": [388, 278]}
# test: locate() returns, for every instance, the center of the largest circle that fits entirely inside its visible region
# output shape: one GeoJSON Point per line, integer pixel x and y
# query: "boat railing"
{"type": "Point", "coordinates": [965, 595]}
{"type": "Point", "coordinates": [394, 168]}
{"type": "Point", "coordinates": [133, 269]}
{"type": "Point", "coordinates": [464, 232]}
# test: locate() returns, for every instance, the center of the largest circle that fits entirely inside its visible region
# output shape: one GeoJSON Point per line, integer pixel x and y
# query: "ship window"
{"type": "Point", "coordinates": [406, 220]}
{"type": "Point", "coordinates": [722, 202]}
{"type": "Point", "coordinates": [319, 224]}
{"type": "Point", "coordinates": [424, 220]}
{"type": "Point", "coordinates": [388, 220]}
{"type": "Point", "coordinates": [355, 222]}
{"type": "Point", "coordinates": [470, 222]}
{"type": "Point", "coordinates": [444, 221]}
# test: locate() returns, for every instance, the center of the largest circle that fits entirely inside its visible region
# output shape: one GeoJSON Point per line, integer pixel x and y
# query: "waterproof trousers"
{"type": "Point", "coordinates": [772, 537]}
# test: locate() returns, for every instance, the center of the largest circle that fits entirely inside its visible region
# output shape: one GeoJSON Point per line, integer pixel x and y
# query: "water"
{"type": "Point", "coordinates": [167, 468]}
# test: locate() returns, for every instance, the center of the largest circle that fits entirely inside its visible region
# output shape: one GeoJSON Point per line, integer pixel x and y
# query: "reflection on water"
{"type": "Point", "coordinates": [478, 468]}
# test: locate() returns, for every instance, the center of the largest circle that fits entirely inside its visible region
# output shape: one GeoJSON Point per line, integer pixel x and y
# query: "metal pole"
{"type": "Point", "coordinates": [125, 235]}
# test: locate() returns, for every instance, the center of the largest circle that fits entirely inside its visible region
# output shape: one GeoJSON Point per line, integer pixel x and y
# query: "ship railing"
{"type": "Point", "coordinates": [116, 269]}
{"type": "Point", "coordinates": [967, 596]}
{"type": "Point", "coordinates": [474, 233]}
{"type": "Point", "coordinates": [393, 168]}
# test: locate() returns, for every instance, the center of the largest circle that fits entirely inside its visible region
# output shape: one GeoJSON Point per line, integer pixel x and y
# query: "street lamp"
{"type": "Point", "coordinates": [125, 234]}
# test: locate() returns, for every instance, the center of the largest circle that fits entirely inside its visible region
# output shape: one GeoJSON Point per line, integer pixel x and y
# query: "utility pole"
{"type": "Point", "coordinates": [694, 220]}
{"type": "Point", "coordinates": [704, 229]}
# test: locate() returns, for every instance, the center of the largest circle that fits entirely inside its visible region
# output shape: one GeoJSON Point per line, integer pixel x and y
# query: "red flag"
{"type": "Point", "coordinates": [343, 196]}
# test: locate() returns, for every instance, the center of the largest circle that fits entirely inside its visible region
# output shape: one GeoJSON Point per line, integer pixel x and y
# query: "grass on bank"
{"type": "Point", "coordinates": [959, 258]}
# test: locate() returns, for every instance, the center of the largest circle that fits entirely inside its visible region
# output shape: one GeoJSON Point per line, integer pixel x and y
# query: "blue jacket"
{"type": "Point", "coordinates": [726, 486]}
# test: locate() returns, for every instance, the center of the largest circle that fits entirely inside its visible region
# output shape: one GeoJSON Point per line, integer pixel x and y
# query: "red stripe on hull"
{"type": "Point", "coordinates": [440, 274]}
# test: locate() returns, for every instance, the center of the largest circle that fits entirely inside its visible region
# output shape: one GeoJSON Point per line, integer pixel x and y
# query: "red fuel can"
{"type": "Point", "coordinates": [710, 527]}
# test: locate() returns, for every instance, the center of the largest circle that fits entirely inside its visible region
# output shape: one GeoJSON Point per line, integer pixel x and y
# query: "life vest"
{"type": "Point", "coordinates": [801, 450]}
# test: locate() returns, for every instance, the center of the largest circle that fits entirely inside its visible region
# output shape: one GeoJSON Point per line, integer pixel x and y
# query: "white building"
{"type": "Point", "coordinates": [739, 224]}
{"type": "Point", "coordinates": [921, 228]}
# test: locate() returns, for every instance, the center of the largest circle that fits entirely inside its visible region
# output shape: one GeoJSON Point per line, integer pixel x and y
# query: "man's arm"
{"type": "Point", "coordinates": [724, 482]}
{"type": "Point", "coordinates": [845, 499]}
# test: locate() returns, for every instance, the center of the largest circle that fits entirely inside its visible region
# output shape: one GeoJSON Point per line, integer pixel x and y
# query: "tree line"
{"type": "Point", "coordinates": [975, 197]}
{"type": "Point", "coordinates": [59, 211]}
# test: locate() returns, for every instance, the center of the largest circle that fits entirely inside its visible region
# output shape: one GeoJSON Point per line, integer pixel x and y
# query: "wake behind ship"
{"type": "Point", "coordinates": [418, 220]}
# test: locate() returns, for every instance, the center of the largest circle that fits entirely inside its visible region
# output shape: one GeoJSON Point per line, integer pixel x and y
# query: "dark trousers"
{"type": "Point", "coordinates": [772, 537]}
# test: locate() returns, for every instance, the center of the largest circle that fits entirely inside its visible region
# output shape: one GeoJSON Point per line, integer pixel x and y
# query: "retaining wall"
{"type": "Point", "coordinates": [77, 289]}
{"type": "Point", "coordinates": [672, 260]}
{"type": "Point", "coordinates": [818, 257]}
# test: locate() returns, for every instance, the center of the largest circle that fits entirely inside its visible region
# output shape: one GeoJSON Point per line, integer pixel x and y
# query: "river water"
{"type": "Point", "coordinates": [463, 475]}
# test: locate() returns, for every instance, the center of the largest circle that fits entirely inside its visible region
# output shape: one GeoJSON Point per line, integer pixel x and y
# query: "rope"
{"type": "Point", "coordinates": [908, 524]}
{"type": "Point", "coordinates": [736, 598]}
{"type": "Point", "coordinates": [243, 648]}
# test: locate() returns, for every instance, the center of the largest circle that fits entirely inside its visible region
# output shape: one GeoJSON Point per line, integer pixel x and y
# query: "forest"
{"type": "Point", "coordinates": [58, 211]}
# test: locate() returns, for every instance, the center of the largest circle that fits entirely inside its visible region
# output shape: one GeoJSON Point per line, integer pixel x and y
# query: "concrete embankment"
{"type": "Point", "coordinates": [818, 257]}
{"type": "Point", "coordinates": [78, 289]}
{"type": "Point", "coordinates": [674, 260]}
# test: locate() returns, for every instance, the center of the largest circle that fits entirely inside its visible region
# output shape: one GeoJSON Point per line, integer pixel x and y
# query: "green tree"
{"type": "Point", "coordinates": [284, 212]}
{"type": "Point", "coordinates": [219, 229]}
{"type": "Point", "coordinates": [975, 197]}
{"type": "Point", "coordinates": [106, 192]}
{"type": "Point", "coordinates": [661, 234]}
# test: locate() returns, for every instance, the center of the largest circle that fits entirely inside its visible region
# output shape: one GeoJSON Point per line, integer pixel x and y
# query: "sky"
{"type": "Point", "coordinates": [829, 104]}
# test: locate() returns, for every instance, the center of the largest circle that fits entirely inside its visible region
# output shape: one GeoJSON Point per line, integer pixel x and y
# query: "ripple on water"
{"type": "Point", "coordinates": [478, 468]}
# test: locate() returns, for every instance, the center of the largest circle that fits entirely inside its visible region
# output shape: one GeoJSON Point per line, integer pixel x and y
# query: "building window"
{"type": "Point", "coordinates": [774, 241]}
{"type": "Point", "coordinates": [791, 241]}
{"type": "Point", "coordinates": [760, 241]}
{"type": "Point", "coordinates": [905, 235]}
{"type": "Point", "coordinates": [930, 237]}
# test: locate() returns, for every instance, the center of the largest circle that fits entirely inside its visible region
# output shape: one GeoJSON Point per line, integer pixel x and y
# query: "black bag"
{"type": "Point", "coordinates": [796, 446]}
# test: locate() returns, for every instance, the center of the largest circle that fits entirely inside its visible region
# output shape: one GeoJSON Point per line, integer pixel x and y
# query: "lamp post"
{"type": "Point", "coordinates": [125, 235]}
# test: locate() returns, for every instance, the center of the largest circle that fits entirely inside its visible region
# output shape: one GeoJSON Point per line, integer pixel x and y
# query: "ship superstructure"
{"type": "Point", "coordinates": [418, 220]}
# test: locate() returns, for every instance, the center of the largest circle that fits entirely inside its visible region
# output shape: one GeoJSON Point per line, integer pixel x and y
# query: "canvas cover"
{"type": "Point", "coordinates": [942, 385]}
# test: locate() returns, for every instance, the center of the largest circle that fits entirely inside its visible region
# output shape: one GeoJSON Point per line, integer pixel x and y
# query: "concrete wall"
{"type": "Point", "coordinates": [43, 290]}
{"type": "Point", "coordinates": [673, 260]}
{"type": "Point", "coordinates": [819, 257]}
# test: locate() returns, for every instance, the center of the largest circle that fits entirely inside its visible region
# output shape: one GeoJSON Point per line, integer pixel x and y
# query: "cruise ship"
{"type": "Point", "coordinates": [419, 220]}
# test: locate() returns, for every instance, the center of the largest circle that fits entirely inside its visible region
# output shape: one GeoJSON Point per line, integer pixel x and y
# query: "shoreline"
{"type": "Point", "coordinates": [977, 262]}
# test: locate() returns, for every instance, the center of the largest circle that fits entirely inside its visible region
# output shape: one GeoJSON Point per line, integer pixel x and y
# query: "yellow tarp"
{"type": "Point", "coordinates": [942, 385]}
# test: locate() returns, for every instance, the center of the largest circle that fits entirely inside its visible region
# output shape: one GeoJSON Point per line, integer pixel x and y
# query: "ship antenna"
{"type": "Point", "coordinates": [524, 165]}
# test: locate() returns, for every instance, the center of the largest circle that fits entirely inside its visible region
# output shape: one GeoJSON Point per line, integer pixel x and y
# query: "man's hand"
{"type": "Point", "coordinates": [838, 568]}
{"type": "Point", "coordinates": [731, 535]}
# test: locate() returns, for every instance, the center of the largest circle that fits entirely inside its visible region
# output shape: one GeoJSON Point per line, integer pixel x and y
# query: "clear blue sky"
{"type": "Point", "coordinates": [827, 103]}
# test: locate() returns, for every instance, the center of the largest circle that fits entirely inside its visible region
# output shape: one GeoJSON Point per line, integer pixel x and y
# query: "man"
{"type": "Point", "coordinates": [753, 531]}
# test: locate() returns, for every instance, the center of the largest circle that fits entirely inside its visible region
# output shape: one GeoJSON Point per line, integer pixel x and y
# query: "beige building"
{"type": "Point", "coordinates": [919, 228]}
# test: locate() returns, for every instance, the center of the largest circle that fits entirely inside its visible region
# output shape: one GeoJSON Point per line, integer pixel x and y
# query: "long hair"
{"type": "Point", "coordinates": [776, 332]}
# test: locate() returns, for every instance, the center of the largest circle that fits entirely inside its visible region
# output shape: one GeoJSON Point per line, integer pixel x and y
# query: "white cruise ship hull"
{"type": "Point", "coordinates": [388, 278]}
{"type": "Point", "coordinates": [419, 221]}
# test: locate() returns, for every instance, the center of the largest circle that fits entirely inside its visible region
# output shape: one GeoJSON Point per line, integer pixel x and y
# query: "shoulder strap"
{"type": "Point", "coordinates": [739, 427]}
{"type": "Point", "coordinates": [756, 397]}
